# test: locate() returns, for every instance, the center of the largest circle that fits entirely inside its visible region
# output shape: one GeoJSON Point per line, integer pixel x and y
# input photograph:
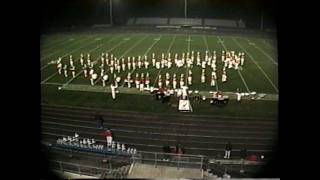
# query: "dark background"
{"type": "Point", "coordinates": [61, 13]}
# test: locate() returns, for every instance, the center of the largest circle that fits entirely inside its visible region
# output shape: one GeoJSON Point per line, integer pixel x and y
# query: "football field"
{"type": "Point", "coordinates": [259, 73]}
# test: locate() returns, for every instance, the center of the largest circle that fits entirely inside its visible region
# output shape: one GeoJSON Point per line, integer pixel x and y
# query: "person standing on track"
{"type": "Point", "coordinates": [99, 120]}
{"type": "Point", "coordinates": [107, 134]}
{"type": "Point", "coordinates": [228, 150]}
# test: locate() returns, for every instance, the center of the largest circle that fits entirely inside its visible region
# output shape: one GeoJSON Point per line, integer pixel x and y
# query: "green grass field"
{"type": "Point", "coordinates": [260, 72]}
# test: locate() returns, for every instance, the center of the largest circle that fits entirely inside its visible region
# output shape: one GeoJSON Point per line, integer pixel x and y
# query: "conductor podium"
{"type": "Point", "coordinates": [185, 106]}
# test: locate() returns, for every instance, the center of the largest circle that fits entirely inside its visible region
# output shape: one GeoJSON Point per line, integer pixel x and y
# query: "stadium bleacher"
{"type": "Point", "coordinates": [131, 21]}
{"type": "Point", "coordinates": [152, 21]}
{"type": "Point", "coordinates": [183, 21]}
{"type": "Point", "coordinates": [220, 23]}
{"type": "Point", "coordinates": [194, 22]}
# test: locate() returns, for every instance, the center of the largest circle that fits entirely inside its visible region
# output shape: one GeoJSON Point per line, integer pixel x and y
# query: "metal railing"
{"type": "Point", "coordinates": [169, 159]}
{"type": "Point", "coordinates": [88, 170]}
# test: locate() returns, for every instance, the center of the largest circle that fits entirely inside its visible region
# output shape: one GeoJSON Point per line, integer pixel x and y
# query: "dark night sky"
{"type": "Point", "coordinates": [96, 11]}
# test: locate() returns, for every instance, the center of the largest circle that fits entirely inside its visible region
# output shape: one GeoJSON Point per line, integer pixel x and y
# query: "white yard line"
{"type": "Point", "coordinates": [271, 47]}
{"type": "Point", "coordinates": [244, 82]}
{"type": "Point", "coordinates": [168, 50]}
{"type": "Point", "coordinates": [267, 77]}
{"type": "Point", "coordinates": [74, 43]}
{"type": "Point", "coordinates": [206, 43]}
{"type": "Point", "coordinates": [147, 51]}
{"type": "Point", "coordinates": [94, 62]}
{"type": "Point", "coordinates": [263, 52]}
{"type": "Point", "coordinates": [57, 84]}
{"type": "Point", "coordinates": [58, 42]}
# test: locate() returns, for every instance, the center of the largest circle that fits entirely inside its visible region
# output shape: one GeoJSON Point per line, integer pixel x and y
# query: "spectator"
{"type": "Point", "coordinates": [228, 150]}
{"type": "Point", "coordinates": [107, 134]}
{"type": "Point", "coordinates": [243, 152]}
{"type": "Point", "coordinates": [99, 120]}
{"type": "Point", "coordinates": [166, 149]}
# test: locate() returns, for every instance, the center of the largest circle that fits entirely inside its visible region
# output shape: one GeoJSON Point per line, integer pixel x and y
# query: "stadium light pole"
{"type": "Point", "coordinates": [185, 8]}
{"type": "Point", "coordinates": [110, 8]}
{"type": "Point", "coordinates": [261, 25]}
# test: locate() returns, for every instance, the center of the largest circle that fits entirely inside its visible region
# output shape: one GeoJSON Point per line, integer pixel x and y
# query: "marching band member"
{"type": "Point", "coordinates": [223, 56]}
{"type": "Point", "coordinates": [93, 77]}
{"type": "Point", "coordinates": [123, 147]}
{"type": "Point", "coordinates": [123, 65]}
{"type": "Point", "coordinates": [159, 81]}
{"type": "Point", "coordinates": [184, 92]}
{"type": "Point", "coordinates": [129, 80]}
{"type": "Point", "coordinates": [147, 81]}
{"type": "Point", "coordinates": [81, 59]}
{"type": "Point", "coordinates": [167, 82]}
{"type": "Point", "coordinates": [88, 60]}
{"type": "Point", "coordinates": [181, 80]}
{"type": "Point", "coordinates": [153, 60]}
{"type": "Point", "coordinates": [183, 59]}
{"type": "Point", "coordinates": [85, 70]}
{"type": "Point", "coordinates": [157, 65]}
{"type": "Point", "coordinates": [101, 70]}
{"type": "Point", "coordinates": [73, 71]}
{"type": "Point", "coordinates": [179, 93]}
{"type": "Point", "coordinates": [139, 62]}
{"type": "Point", "coordinates": [174, 82]}
{"type": "Point", "coordinates": [203, 78]}
{"type": "Point", "coordinates": [137, 81]}
{"type": "Point", "coordinates": [142, 82]}
{"type": "Point", "coordinates": [213, 81]}
{"type": "Point", "coordinates": [242, 58]}
{"type": "Point", "coordinates": [117, 79]}
{"type": "Point", "coordinates": [59, 66]}
{"type": "Point", "coordinates": [224, 76]}
{"type": "Point", "coordinates": [133, 63]}
{"type": "Point", "coordinates": [65, 68]}
{"type": "Point", "coordinates": [118, 68]}
{"type": "Point", "coordinates": [118, 146]}
{"type": "Point", "coordinates": [238, 96]}
{"type": "Point", "coordinates": [129, 63]}
{"type": "Point", "coordinates": [146, 64]}
{"type": "Point", "coordinates": [111, 69]}
{"type": "Point", "coordinates": [190, 79]}
{"type": "Point", "coordinates": [102, 60]}
{"type": "Point", "coordinates": [113, 90]}
{"type": "Point", "coordinates": [104, 79]}
{"type": "Point", "coordinates": [198, 59]}
{"type": "Point", "coordinates": [203, 64]}
{"type": "Point", "coordinates": [71, 61]}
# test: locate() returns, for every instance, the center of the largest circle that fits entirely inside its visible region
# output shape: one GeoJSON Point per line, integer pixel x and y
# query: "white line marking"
{"type": "Point", "coordinates": [274, 86]}
{"type": "Point", "coordinates": [244, 82]}
{"type": "Point", "coordinates": [58, 84]}
{"type": "Point", "coordinates": [270, 46]}
{"type": "Point", "coordinates": [73, 43]}
{"type": "Point", "coordinates": [267, 55]}
{"type": "Point", "coordinates": [56, 43]}
{"type": "Point", "coordinates": [206, 43]}
{"type": "Point", "coordinates": [169, 48]}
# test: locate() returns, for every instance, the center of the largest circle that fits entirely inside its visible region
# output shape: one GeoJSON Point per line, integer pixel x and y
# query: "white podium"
{"type": "Point", "coordinates": [185, 106]}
